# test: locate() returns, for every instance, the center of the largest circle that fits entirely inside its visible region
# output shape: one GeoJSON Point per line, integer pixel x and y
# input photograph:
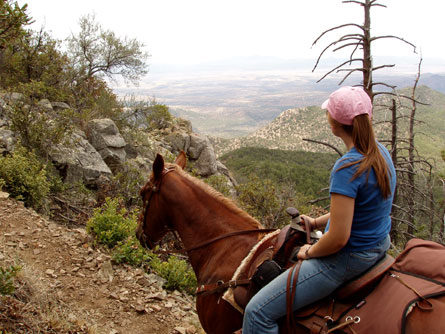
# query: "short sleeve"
{"type": "Point", "coordinates": [341, 181]}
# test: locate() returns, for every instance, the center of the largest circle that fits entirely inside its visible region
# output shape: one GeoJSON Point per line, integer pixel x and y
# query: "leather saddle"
{"type": "Point", "coordinates": [282, 250]}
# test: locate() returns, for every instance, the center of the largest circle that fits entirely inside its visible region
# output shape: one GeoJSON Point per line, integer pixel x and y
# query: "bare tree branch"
{"type": "Point", "coordinates": [338, 27]}
{"type": "Point", "coordinates": [382, 66]}
{"type": "Point", "coordinates": [399, 38]}
{"type": "Point", "coordinates": [339, 66]}
{"type": "Point", "coordinates": [325, 144]}
{"type": "Point", "coordinates": [383, 84]}
{"type": "Point", "coordinates": [331, 44]}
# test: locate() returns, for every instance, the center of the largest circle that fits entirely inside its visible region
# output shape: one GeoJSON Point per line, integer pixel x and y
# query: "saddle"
{"type": "Point", "coordinates": [278, 253]}
{"type": "Point", "coordinates": [386, 303]}
{"type": "Point", "coordinates": [403, 295]}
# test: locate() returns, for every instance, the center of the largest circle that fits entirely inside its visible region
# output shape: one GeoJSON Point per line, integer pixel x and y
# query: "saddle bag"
{"type": "Point", "coordinates": [266, 272]}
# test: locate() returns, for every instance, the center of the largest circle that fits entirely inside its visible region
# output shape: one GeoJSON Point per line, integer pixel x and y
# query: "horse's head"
{"type": "Point", "coordinates": [153, 223]}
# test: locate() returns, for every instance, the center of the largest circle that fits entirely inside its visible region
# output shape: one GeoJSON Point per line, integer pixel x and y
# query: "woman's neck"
{"type": "Point", "coordinates": [349, 143]}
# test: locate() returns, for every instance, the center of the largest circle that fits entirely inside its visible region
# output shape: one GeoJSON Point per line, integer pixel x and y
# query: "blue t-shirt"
{"type": "Point", "coordinates": [371, 221]}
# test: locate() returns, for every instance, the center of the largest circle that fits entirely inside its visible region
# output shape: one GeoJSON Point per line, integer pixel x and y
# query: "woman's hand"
{"type": "Point", "coordinates": [310, 220]}
{"type": "Point", "coordinates": [303, 253]}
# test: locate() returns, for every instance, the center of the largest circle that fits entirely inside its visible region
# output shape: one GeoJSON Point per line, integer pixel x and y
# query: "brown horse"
{"type": "Point", "coordinates": [198, 213]}
{"type": "Point", "coordinates": [218, 235]}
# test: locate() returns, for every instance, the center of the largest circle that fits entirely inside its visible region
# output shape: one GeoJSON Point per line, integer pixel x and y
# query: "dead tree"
{"type": "Point", "coordinates": [359, 40]}
{"type": "Point", "coordinates": [410, 197]}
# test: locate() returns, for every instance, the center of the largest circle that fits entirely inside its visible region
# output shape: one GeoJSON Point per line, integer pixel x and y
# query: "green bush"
{"type": "Point", "coordinates": [219, 183]}
{"type": "Point", "coordinates": [7, 276]}
{"type": "Point", "coordinates": [25, 177]}
{"type": "Point", "coordinates": [38, 128]}
{"type": "Point", "coordinates": [111, 223]}
{"type": "Point", "coordinates": [130, 251]}
{"type": "Point", "coordinates": [177, 272]}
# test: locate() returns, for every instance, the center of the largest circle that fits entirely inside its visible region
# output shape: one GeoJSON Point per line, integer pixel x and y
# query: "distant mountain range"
{"type": "Point", "coordinates": [290, 128]}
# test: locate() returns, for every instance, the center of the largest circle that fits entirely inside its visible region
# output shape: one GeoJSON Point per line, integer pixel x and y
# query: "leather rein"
{"type": "Point", "coordinates": [155, 187]}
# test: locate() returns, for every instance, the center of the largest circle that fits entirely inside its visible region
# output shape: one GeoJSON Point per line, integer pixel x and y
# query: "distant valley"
{"type": "Point", "coordinates": [235, 100]}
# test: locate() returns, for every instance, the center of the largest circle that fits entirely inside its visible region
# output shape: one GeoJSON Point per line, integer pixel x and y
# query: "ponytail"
{"type": "Point", "coordinates": [365, 143]}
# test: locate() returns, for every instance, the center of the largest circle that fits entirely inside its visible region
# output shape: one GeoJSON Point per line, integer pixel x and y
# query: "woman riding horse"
{"type": "Point", "coordinates": [356, 228]}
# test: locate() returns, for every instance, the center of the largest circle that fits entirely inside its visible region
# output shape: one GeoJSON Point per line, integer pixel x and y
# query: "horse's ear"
{"type": "Point", "coordinates": [181, 159]}
{"type": "Point", "coordinates": [158, 166]}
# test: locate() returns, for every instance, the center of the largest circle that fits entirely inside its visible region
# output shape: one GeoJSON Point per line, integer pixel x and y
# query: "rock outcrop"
{"type": "Point", "coordinates": [102, 151]}
{"type": "Point", "coordinates": [79, 161]}
{"type": "Point", "coordinates": [105, 137]}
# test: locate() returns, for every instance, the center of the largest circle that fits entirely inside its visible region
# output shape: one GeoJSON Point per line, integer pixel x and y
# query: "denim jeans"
{"type": "Point", "coordinates": [318, 278]}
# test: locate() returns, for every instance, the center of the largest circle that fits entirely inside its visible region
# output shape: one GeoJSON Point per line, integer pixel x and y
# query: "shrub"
{"type": "Point", "coordinates": [219, 183]}
{"type": "Point", "coordinates": [177, 272]}
{"type": "Point", "coordinates": [38, 128]}
{"type": "Point", "coordinates": [130, 251]}
{"type": "Point", "coordinates": [111, 223]}
{"type": "Point", "coordinates": [7, 276]}
{"type": "Point", "coordinates": [25, 177]}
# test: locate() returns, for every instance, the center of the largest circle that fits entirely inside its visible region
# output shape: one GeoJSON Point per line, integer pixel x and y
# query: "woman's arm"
{"type": "Point", "coordinates": [341, 214]}
{"type": "Point", "coordinates": [318, 223]}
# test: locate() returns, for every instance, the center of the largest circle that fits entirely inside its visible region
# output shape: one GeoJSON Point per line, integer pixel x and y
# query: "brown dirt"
{"type": "Point", "coordinates": [66, 286]}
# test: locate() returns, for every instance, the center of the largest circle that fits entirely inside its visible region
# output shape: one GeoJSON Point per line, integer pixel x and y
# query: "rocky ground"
{"type": "Point", "coordinates": [67, 286]}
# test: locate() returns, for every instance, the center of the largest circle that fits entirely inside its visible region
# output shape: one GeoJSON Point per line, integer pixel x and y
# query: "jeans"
{"type": "Point", "coordinates": [318, 278]}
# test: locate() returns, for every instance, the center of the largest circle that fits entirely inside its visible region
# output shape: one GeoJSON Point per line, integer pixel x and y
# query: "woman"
{"type": "Point", "coordinates": [356, 228]}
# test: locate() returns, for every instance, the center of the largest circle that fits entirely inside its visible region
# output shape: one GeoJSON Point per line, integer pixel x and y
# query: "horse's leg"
{"type": "Point", "coordinates": [430, 322]}
{"type": "Point", "coordinates": [217, 316]}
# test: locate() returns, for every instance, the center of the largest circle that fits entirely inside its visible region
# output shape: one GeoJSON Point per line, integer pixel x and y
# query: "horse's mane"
{"type": "Point", "coordinates": [228, 203]}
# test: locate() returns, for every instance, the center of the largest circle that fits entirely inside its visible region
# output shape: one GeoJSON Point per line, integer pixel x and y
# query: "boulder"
{"type": "Point", "coordinates": [60, 106]}
{"type": "Point", "coordinates": [105, 137]}
{"type": "Point", "coordinates": [13, 98]}
{"type": "Point", "coordinates": [197, 144]}
{"type": "Point", "coordinates": [79, 161]}
{"type": "Point", "coordinates": [179, 141]}
{"type": "Point", "coordinates": [45, 105]}
{"type": "Point", "coordinates": [7, 141]}
{"type": "Point", "coordinates": [206, 164]}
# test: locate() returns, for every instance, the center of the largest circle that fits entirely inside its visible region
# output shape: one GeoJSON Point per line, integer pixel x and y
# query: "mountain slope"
{"type": "Point", "coordinates": [288, 130]}
{"type": "Point", "coordinates": [66, 286]}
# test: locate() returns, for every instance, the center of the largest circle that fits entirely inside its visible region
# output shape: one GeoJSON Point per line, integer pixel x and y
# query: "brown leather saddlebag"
{"type": "Point", "coordinates": [415, 284]}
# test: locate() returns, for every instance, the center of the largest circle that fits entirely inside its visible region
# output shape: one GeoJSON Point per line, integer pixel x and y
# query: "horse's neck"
{"type": "Point", "coordinates": [205, 220]}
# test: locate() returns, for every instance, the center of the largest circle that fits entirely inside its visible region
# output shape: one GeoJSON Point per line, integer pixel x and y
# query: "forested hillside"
{"type": "Point", "coordinates": [307, 172]}
{"type": "Point", "coordinates": [289, 129]}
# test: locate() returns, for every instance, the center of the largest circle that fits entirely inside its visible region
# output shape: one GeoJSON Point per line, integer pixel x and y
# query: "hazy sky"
{"type": "Point", "coordinates": [192, 31]}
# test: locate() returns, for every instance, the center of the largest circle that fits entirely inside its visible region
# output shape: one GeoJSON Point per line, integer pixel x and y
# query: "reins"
{"type": "Point", "coordinates": [224, 236]}
{"type": "Point", "coordinates": [155, 187]}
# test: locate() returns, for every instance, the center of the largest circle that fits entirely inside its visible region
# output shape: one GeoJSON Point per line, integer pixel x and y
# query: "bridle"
{"type": "Point", "coordinates": [154, 187]}
{"type": "Point", "coordinates": [147, 243]}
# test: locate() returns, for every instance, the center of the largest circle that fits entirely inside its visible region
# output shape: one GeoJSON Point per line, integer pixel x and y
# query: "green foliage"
{"type": "Point", "coordinates": [13, 18]}
{"type": "Point", "coordinates": [98, 52]}
{"type": "Point", "coordinates": [130, 251]}
{"type": "Point", "coordinates": [25, 177]}
{"type": "Point", "coordinates": [146, 114]}
{"type": "Point", "coordinates": [111, 223]}
{"type": "Point", "coordinates": [127, 185]}
{"type": "Point", "coordinates": [7, 276]}
{"type": "Point", "coordinates": [159, 117]}
{"type": "Point", "coordinates": [272, 180]}
{"type": "Point", "coordinates": [306, 172]}
{"type": "Point", "coordinates": [37, 59]}
{"type": "Point", "coordinates": [177, 272]}
{"type": "Point", "coordinates": [219, 183]}
{"type": "Point", "coordinates": [265, 201]}
{"type": "Point", "coordinates": [38, 128]}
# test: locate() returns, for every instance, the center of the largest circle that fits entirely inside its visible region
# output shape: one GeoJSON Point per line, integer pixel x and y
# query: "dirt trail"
{"type": "Point", "coordinates": [82, 284]}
